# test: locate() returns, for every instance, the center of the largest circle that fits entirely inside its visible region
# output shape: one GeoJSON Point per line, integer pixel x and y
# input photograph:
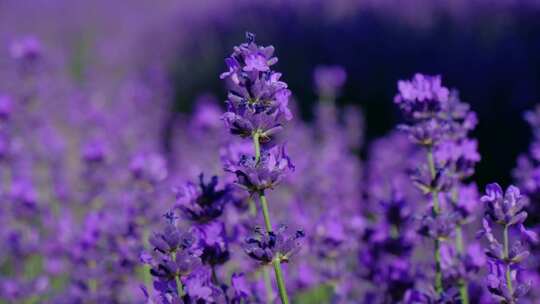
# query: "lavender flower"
{"type": "Point", "coordinates": [431, 296]}
{"type": "Point", "coordinates": [207, 113]}
{"type": "Point", "coordinates": [174, 257]}
{"type": "Point", "coordinates": [436, 112]}
{"type": "Point", "coordinates": [423, 179]}
{"type": "Point", "coordinates": [467, 202]}
{"type": "Point", "coordinates": [422, 97]}
{"type": "Point", "coordinates": [213, 243]}
{"type": "Point", "coordinates": [440, 228]}
{"type": "Point", "coordinates": [241, 291]}
{"type": "Point", "coordinates": [94, 152]}
{"type": "Point", "coordinates": [150, 168]}
{"type": "Point", "coordinates": [27, 51]}
{"type": "Point", "coordinates": [200, 288]}
{"type": "Point", "coordinates": [458, 156]}
{"type": "Point", "coordinates": [458, 266]}
{"type": "Point", "coordinates": [257, 100]}
{"type": "Point", "coordinates": [329, 80]}
{"type": "Point", "coordinates": [25, 200]}
{"type": "Point", "coordinates": [266, 247]}
{"type": "Point", "coordinates": [421, 101]}
{"type": "Point", "coordinates": [6, 107]}
{"type": "Point", "coordinates": [505, 210]}
{"type": "Point", "coordinates": [527, 177]}
{"type": "Point", "coordinates": [257, 175]}
{"type": "Point", "coordinates": [202, 203]}
{"type": "Point", "coordinates": [387, 249]}
{"type": "Point", "coordinates": [440, 122]}
{"type": "Point", "coordinates": [258, 108]}
{"type": "Point", "coordinates": [497, 284]}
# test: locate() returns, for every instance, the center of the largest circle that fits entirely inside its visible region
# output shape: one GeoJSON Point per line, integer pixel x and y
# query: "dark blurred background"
{"type": "Point", "coordinates": [490, 53]}
{"type": "Point", "coordinates": [488, 50]}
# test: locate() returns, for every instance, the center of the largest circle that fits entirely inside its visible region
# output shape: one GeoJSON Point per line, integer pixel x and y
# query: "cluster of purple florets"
{"type": "Point", "coordinates": [89, 215]}
{"type": "Point", "coordinates": [257, 102]}
{"type": "Point", "coordinates": [188, 266]}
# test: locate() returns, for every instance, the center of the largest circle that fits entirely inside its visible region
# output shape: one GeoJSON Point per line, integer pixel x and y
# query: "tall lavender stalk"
{"type": "Point", "coordinates": [506, 210]}
{"type": "Point", "coordinates": [439, 123]}
{"type": "Point", "coordinates": [436, 209]}
{"type": "Point", "coordinates": [458, 155]}
{"type": "Point", "coordinates": [257, 109]}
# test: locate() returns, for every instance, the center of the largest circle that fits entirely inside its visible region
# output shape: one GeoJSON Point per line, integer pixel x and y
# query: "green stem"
{"type": "Point", "coordinates": [394, 232]}
{"type": "Point", "coordinates": [438, 272]}
{"type": "Point", "coordinates": [252, 207]}
{"type": "Point", "coordinates": [460, 248]}
{"type": "Point", "coordinates": [434, 193]}
{"type": "Point", "coordinates": [506, 255]}
{"type": "Point", "coordinates": [462, 283]}
{"type": "Point", "coordinates": [257, 146]}
{"type": "Point", "coordinates": [214, 275]}
{"type": "Point", "coordinates": [436, 211]}
{"type": "Point", "coordinates": [266, 214]}
{"type": "Point", "coordinates": [276, 262]}
{"type": "Point", "coordinates": [179, 287]}
{"type": "Point", "coordinates": [93, 283]}
{"type": "Point", "coordinates": [459, 239]}
{"type": "Point", "coordinates": [147, 277]}
{"type": "Point", "coordinates": [281, 283]}
{"type": "Point", "coordinates": [463, 291]}
{"type": "Point", "coordinates": [268, 286]}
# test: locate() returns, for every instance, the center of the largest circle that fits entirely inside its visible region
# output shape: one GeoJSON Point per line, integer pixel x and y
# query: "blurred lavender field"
{"type": "Point", "coordinates": [160, 152]}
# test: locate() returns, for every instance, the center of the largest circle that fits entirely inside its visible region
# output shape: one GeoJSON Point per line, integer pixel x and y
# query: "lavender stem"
{"type": "Point", "coordinates": [179, 286]}
{"type": "Point", "coordinates": [281, 283]}
{"type": "Point", "coordinates": [257, 146]}
{"type": "Point", "coordinates": [147, 277]}
{"type": "Point", "coordinates": [506, 256]}
{"type": "Point", "coordinates": [460, 248]}
{"type": "Point", "coordinates": [463, 286]}
{"type": "Point", "coordinates": [268, 285]}
{"type": "Point", "coordinates": [214, 275]}
{"type": "Point", "coordinates": [252, 207]}
{"type": "Point", "coordinates": [436, 211]}
{"type": "Point", "coordinates": [266, 214]}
